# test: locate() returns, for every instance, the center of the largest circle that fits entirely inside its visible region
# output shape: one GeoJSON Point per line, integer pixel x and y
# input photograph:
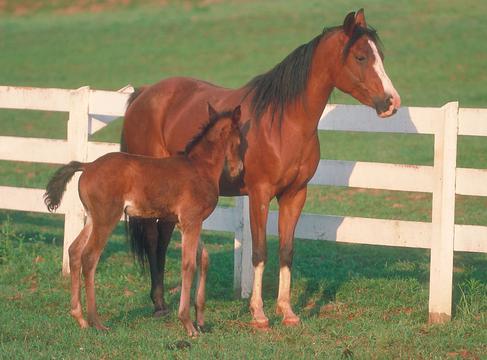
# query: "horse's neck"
{"type": "Point", "coordinates": [305, 112]}
{"type": "Point", "coordinates": [321, 81]}
{"type": "Point", "coordinates": [208, 159]}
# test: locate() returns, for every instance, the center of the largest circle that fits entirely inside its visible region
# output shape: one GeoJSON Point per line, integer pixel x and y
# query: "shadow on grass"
{"type": "Point", "coordinates": [320, 268]}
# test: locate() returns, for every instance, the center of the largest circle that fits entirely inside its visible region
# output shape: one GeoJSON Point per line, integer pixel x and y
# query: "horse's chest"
{"type": "Point", "coordinates": [297, 170]}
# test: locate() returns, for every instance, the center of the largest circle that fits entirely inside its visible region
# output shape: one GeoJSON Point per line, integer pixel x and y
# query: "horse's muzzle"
{"type": "Point", "coordinates": [387, 106]}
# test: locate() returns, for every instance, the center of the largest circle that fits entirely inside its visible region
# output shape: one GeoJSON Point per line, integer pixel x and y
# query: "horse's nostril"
{"type": "Point", "coordinates": [383, 105]}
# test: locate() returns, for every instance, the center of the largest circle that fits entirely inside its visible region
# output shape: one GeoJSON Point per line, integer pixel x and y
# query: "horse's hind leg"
{"type": "Point", "coordinates": [75, 268]}
{"type": "Point", "coordinates": [157, 241]}
{"type": "Point", "coordinates": [89, 259]}
{"type": "Point", "coordinates": [203, 262]}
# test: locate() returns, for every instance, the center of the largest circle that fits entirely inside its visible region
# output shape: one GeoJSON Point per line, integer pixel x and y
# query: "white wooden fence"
{"type": "Point", "coordinates": [89, 110]}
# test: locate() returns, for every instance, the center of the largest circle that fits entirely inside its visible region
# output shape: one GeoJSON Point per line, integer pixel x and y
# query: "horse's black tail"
{"type": "Point", "coordinates": [57, 185]}
{"type": "Point", "coordinates": [135, 228]}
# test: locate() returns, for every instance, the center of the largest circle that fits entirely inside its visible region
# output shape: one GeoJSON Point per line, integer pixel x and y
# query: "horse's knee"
{"type": "Point", "coordinates": [286, 253]}
{"type": "Point", "coordinates": [259, 255]}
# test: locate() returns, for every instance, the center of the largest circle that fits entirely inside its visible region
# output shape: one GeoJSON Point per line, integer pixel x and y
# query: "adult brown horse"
{"type": "Point", "coordinates": [280, 147]}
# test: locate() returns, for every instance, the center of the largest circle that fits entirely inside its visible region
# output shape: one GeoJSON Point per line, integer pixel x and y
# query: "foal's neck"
{"type": "Point", "coordinates": [208, 158]}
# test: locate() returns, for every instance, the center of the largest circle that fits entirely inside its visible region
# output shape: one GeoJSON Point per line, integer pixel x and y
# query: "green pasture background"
{"type": "Point", "coordinates": [355, 301]}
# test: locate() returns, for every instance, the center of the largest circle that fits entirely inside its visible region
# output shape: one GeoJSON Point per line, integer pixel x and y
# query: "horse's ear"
{"type": "Point", "coordinates": [349, 24]}
{"type": "Point", "coordinates": [211, 111]}
{"type": "Point", "coordinates": [237, 112]}
{"type": "Point", "coordinates": [360, 18]}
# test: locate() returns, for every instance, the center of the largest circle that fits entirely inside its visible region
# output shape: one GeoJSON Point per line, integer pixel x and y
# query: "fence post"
{"type": "Point", "coordinates": [78, 150]}
{"type": "Point", "coordinates": [443, 216]}
{"type": "Point", "coordinates": [243, 270]}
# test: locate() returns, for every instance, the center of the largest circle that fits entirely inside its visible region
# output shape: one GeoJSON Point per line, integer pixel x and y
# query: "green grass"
{"type": "Point", "coordinates": [362, 300]}
{"type": "Point", "coordinates": [355, 301]}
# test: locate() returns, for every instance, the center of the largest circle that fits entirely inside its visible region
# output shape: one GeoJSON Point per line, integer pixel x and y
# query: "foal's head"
{"type": "Point", "coordinates": [361, 71]}
{"type": "Point", "coordinates": [227, 130]}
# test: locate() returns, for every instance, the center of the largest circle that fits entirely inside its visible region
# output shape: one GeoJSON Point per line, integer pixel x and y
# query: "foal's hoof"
{"type": "Point", "coordinates": [160, 313]}
{"type": "Point", "coordinates": [192, 333]}
{"type": "Point", "coordinates": [291, 321]}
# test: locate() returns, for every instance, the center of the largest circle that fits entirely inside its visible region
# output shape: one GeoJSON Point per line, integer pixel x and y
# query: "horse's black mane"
{"type": "Point", "coordinates": [204, 130]}
{"type": "Point", "coordinates": [286, 82]}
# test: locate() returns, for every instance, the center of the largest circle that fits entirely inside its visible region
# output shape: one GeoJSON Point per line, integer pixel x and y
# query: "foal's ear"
{"type": "Point", "coordinates": [349, 24]}
{"type": "Point", "coordinates": [211, 111]}
{"type": "Point", "coordinates": [360, 18]}
{"type": "Point", "coordinates": [237, 112]}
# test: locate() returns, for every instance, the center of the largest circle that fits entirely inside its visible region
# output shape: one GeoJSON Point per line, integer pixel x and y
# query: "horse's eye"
{"type": "Point", "coordinates": [360, 58]}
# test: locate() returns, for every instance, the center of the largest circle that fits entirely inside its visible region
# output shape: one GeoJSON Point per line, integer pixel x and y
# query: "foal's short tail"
{"type": "Point", "coordinates": [57, 185]}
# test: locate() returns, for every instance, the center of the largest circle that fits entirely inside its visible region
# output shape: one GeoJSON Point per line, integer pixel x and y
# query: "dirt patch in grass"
{"type": "Point", "coordinates": [66, 7]}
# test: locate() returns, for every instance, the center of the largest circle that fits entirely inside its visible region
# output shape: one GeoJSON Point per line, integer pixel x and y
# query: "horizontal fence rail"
{"type": "Point", "coordinates": [90, 110]}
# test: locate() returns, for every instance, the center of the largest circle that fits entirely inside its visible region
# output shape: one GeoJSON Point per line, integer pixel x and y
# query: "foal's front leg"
{"type": "Point", "coordinates": [190, 238]}
{"type": "Point", "coordinates": [203, 261]}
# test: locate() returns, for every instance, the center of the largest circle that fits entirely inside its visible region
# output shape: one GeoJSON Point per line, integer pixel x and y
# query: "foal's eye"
{"type": "Point", "coordinates": [360, 58]}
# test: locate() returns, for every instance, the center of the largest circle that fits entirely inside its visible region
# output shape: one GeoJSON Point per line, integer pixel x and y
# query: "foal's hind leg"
{"type": "Point", "coordinates": [89, 258]}
{"type": "Point", "coordinates": [191, 235]}
{"type": "Point", "coordinates": [203, 262]}
{"type": "Point", "coordinates": [75, 268]}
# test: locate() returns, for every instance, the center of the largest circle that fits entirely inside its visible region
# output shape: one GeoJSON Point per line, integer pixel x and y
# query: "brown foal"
{"type": "Point", "coordinates": [181, 189]}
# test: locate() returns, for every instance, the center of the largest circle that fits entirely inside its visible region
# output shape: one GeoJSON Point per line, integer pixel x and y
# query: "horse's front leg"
{"type": "Point", "coordinates": [259, 210]}
{"type": "Point", "coordinates": [191, 233]}
{"type": "Point", "coordinates": [290, 205]}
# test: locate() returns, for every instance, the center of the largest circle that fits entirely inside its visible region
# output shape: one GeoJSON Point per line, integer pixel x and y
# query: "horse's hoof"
{"type": "Point", "coordinates": [291, 321]}
{"type": "Point", "coordinates": [160, 313]}
{"type": "Point", "coordinates": [260, 323]}
{"type": "Point", "coordinates": [101, 327]}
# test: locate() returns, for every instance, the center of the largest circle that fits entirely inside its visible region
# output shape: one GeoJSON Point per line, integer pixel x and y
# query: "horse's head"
{"type": "Point", "coordinates": [360, 72]}
{"type": "Point", "coordinates": [228, 130]}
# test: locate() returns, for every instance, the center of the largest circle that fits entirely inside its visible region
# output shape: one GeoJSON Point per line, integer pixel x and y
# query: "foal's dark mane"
{"type": "Point", "coordinates": [286, 82]}
{"type": "Point", "coordinates": [204, 130]}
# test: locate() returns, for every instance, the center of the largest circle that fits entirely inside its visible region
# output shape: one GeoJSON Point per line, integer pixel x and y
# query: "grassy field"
{"type": "Point", "coordinates": [355, 301]}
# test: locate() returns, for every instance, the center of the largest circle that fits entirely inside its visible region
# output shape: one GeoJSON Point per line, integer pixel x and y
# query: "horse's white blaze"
{"type": "Point", "coordinates": [381, 73]}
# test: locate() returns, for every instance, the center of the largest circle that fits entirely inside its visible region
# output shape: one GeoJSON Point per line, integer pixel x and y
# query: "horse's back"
{"type": "Point", "coordinates": [163, 117]}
